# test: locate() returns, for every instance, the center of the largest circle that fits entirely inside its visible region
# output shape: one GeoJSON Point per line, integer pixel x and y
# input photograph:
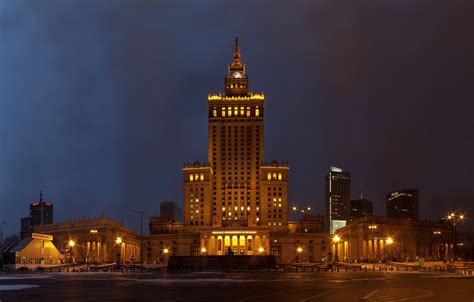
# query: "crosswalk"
{"type": "Point", "coordinates": [397, 294]}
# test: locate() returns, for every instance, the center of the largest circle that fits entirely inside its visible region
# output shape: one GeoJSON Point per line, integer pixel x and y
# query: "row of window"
{"type": "Point", "coordinates": [196, 177]}
{"type": "Point", "coordinates": [236, 111]}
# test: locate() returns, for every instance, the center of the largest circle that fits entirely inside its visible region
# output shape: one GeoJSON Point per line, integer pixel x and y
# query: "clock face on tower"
{"type": "Point", "coordinates": [236, 74]}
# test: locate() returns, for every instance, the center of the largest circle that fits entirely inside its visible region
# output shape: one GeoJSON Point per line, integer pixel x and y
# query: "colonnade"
{"type": "Point", "coordinates": [238, 244]}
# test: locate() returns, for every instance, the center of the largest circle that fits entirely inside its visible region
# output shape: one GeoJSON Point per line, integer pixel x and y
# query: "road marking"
{"type": "Point", "coordinates": [398, 294]}
{"type": "Point", "coordinates": [260, 296]}
{"type": "Point", "coordinates": [315, 296]}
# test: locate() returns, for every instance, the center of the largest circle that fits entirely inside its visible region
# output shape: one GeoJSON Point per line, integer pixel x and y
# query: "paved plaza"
{"type": "Point", "coordinates": [252, 286]}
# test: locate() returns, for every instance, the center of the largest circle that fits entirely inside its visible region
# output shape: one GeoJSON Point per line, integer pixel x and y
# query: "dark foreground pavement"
{"type": "Point", "coordinates": [285, 287]}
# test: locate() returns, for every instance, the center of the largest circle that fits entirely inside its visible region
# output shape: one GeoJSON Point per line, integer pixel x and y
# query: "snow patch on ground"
{"type": "Point", "coordinates": [23, 277]}
{"type": "Point", "coordinates": [17, 286]}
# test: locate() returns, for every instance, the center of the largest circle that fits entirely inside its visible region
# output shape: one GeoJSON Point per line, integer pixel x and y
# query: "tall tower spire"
{"type": "Point", "coordinates": [236, 52]}
{"type": "Point", "coordinates": [41, 195]}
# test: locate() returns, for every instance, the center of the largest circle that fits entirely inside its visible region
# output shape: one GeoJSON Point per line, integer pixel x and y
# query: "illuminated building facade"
{"type": "Point", "coordinates": [238, 198]}
{"type": "Point", "coordinates": [236, 201]}
{"type": "Point", "coordinates": [338, 198]}
{"type": "Point", "coordinates": [94, 240]}
{"type": "Point", "coordinates": [380, 239]}
{"type": "Point", "coordinates": [402, 204]}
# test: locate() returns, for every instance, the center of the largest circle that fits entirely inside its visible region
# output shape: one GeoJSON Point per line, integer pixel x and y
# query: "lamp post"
{"type": "Point", "coordinates": [336, 239]}
{"type": "Point", "coordinates": [372, 228]}
{"type": "Point", "coordinates": [71, 245]}
{"type": "Point", "coordinates": [118, 241]}
{"type": "Point", "coordinates": [389, 241]}
{"type": "Point", "coordinates": [141, 229]}
{"type": "Point", "coordinates": [302, 212]}
{"type": "Point", "coordinates": [455, 218]}
{"type": "Point", "coordinates": [165, 254]}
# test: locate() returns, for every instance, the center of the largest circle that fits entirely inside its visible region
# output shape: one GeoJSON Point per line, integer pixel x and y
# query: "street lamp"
{"type": "Point", "coordinates": [455, 218]}
{"type": "Point", "coordinates": [203, 250]}
{"type": "Point", "coordinates": [372, 228]}
{"type": "Point", "coordinates": [335, 240]}
{"type": "Point", "coordinates": [389, 241]}
{"type": "Point", "coordinates": [71, 245]}
{"type": "Point", "coordinates": [302, 211]}
{"type": "Point", "coordinates": [261, 250]}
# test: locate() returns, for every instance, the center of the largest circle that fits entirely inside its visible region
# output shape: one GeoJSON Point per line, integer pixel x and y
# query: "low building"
{"type": "Point", "coordinates": [95, 240]}
{"type": "Point", "coordinates": [304, 240]}
{"type": "Point", "coordinates": [33, 252]}
{"type": "Point", "coordinates": [383, 239]}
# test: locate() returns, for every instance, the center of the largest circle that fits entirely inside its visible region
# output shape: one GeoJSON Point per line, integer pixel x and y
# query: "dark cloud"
{"type": "Point", "coordinates": [102, 101]}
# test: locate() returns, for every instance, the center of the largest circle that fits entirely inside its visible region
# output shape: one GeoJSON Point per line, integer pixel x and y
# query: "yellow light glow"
{"type": "Point", "coordinates": [165, 251]}
{"type": "Point", "coordinates": [118, 240]}
{"type": "Point", "coordinates": [294, 208]}
{"type": "Point", "coordinates": [309, 208]}
{"type": "Point", "coordinates": [389, 240]}
{"type": "Point", "coordinates": [257, 111]}
{"type": "Point", "coordinates": [336, 238]}
{"type": "Point", "coordinates": [201, 177]}
{"type": "Point", "coordinates": [269, 176]}
{"type": "Point", "coordinates": [191, 177]}
{"type": "Point", "coordinates": [299, 249]}
{"type": "Point", "coordinates": [461, 217]}
{"type": "Point", "coordinates": [93, 231]}
{"type": "Point", "coordinates": [261, 250]}
{"type": "Point", "coordinates": [71, 243]}
{"type": "Point", "coordinates": [279, 176]}
{"type": "Point", "coordinates": [203, 250]}
{"type": "Point", "coordinates": [214, 112]}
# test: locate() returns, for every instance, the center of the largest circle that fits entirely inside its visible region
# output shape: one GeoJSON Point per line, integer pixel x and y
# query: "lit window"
{"type": "Point", "coordinates": [223, 111]}
{"type": "Point", "coordinates": [258, 219]}
{"type": "Point", "coordinates": [197, 211]}
{"type": "Point", "coordinates": [229, 111]}
{"type": "Point", "coordinates": [202, 177]}
{"type": "Point", "coordinates": [196, 177]}
{"type": "Point", "coordinates": [274, 175]}
{"type": "Point", "coordinates": [242, 111]}
{"type": "Point", "coordinates": [248, 208]}
{"type": "Point", "coordinates": [230, 214]}
{"type": "Point", "coordinates": [241, 208]}
{"type": "Point", "coordinates": [257, 111]}
{"type": "Point", "coordinates": [279, 205]}
{"type": "Point", "coordinates": [236, 111]}
{"type": "Point", "coordinates": [214, 112]}
{"type": "Point", "coordinates": [192, 217]}
{"type": "Point", "coordinates": [223, 209]}
{"type": "Point", "coordinates": [197, 199]}
{"type": "Point", "coordinates": [274, 199]}
{"type": "Point", "coordinates": [269, 176]}
{"type": "Point", "coordinates": [248, 111]}
{"type": "Point", "coordinates": [236, 208]}
{"type": "Point", "coordinates": [191, 177]}
{"type": "Point", "coordinates": [279, 176]}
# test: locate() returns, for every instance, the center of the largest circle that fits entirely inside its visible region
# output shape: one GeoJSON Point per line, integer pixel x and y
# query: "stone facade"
{"type": "Point", "coordinates": [95, 240]}
{"type": "Point", "coordinates": [383, 239]}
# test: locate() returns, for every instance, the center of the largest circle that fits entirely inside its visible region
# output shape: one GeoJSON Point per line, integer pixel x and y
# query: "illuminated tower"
{"type": "Point", "coordinates": [237, 188]}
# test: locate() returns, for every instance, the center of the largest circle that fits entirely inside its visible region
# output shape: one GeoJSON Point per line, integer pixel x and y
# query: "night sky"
{"type": "Point", "coordinates": [101, 102]}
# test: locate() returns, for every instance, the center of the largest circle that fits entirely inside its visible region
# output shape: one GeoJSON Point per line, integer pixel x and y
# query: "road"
{"type": "Point", "coordinates": [252, 287]}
